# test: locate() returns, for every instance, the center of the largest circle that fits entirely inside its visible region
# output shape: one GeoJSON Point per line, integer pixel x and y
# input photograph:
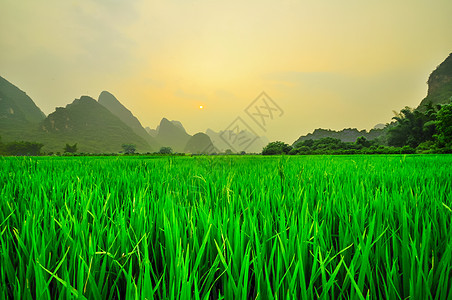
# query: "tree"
{"type": "Point", "coordinates": [444, 126]}
{"type": "Point", "coordinates": [228, 152]}
{"type": "Point", "coordinates": [23, 148]}
{"type": "Point", "coordinates": [165, 150]}
{"type": "Point", "coordinates": [327, 144]}
{"type": "Point", "coordinates": [305, 143]}
{"type": "Point", "coordinates": [412, 127]}
{"type": "Point", "coordinates": [276, 148]}
{"type": "Point", "coordinates": [129, 148]}
{"type": "Point", "coordinates": [363, 142]}
{"type": "Point", "coordinates": [70, 149]}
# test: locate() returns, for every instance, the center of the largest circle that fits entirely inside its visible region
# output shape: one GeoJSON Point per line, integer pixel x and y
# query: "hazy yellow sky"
{"type": "Point", "coordinates": [329, 64]}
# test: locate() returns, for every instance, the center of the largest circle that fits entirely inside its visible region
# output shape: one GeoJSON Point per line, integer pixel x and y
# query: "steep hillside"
{"type": "Point", "coordinates": [440, 84]}
{"type": "Point", "coordinates": [18, 112]}
{"type": "Point", "coordinates": [114, 106]}
{"type": "Point", "coordinates": [15, 103]}
{"type": "Point", "coordinates": [89, 124]}
{"type": "Point", "coordinates": [151, 132]}
{"type": "Point", "coordinates": [172, 134]}
{"type": "Point", "coordinates": [200, 143]}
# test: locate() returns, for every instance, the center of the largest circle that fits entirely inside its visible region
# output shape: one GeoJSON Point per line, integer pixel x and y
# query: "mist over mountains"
{"type": "Point", "coordinates": [439, 92]}
{"type": "Point", "coordinates": [239, 141]}
{"type": "Point", "coordinates": [101, 126]}
{"type": "Point", "coordinates": [104, 125]}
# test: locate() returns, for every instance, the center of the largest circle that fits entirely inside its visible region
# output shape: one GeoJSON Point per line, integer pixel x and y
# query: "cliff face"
{"type": "Point", "coordinates": [440, 84]}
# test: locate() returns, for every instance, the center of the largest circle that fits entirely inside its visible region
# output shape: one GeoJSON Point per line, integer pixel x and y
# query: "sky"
{"type": "Point", "coordinates": [323, 64]}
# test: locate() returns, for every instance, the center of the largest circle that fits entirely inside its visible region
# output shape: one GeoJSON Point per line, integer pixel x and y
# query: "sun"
{"type": "Point", "coordinates": [201, 107]}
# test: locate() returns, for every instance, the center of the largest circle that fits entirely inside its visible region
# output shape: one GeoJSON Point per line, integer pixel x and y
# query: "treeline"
{"type": "Point", "coordinates": [334, 146]}
{"type": "Point", "coordinates": [23, 148]}
{"type": "Point", "coordinates": [20, 148]}
{"type": "Point", "coordinates": [413, 131]}
{"type": "Point", "coordinates": [426, 130]}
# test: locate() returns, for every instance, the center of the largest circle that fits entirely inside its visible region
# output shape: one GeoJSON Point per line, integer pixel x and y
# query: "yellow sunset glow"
{"type": "Point", "coordinates": [329, 64]}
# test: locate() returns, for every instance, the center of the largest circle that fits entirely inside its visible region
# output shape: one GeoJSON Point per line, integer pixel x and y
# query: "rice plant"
{"type": "Point", "coordinates": [230, 227]}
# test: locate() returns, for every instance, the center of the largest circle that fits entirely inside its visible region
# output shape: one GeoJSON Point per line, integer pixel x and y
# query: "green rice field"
{"type": "Point", "coordinates": [226, 227]}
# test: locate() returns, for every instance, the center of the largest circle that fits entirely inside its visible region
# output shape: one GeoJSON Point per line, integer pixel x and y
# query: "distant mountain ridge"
{"type": "Point", "coordinates": [172, 135]}
{"type": "Point", "coordinates": [439, 92]}
{"type": "Point", "coordinates": [106, 124]}
{"type": "Point", "coordinates": [101, 126]}
{"type": "Point", "coordinates": [96, 126]}
{"type": "Point", "coordinates": [237, 142]}
{"type": "Point", "coordinates": [89, 124]}
{"type": "Point", "coordinates": [151, 132]}
{"type": "Point", "coordinates": [345, 135]}
{"type": "Point", "coordinates": [199, 143]}
{"type": "Point", "coordinates": [114, 106]}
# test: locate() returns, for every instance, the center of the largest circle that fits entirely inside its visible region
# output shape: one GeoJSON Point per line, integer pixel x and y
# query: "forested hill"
{"type": "Point", "coordinates": [345, 135]}
{"type": "Point", "coordinates": [439, 92]}
{"type": "Point", "coordinates": [86, 122]}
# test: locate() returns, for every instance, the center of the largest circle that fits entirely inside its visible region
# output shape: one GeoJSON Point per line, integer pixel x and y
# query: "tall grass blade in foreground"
{"type": "Point", "coordinates": [245, 227]}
